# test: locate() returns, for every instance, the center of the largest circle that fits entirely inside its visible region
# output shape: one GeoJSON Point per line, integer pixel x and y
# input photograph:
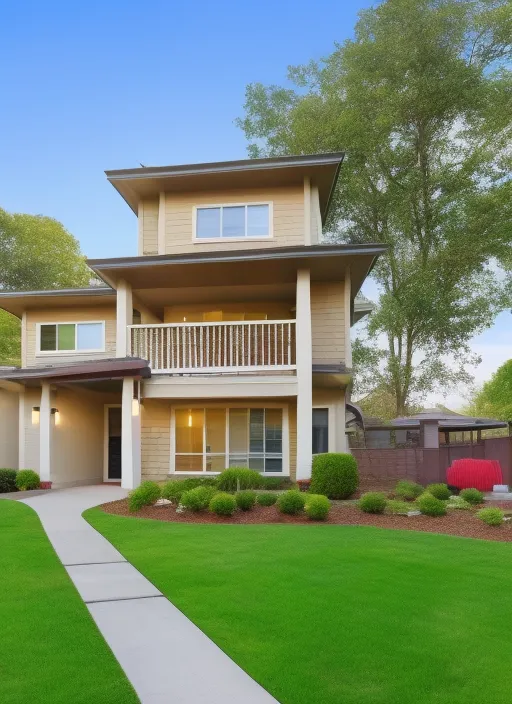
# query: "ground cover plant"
{"type": "Point", "coordinates": [472, 496]}
{"type": "Point", "coordinates": [144, 495]}
{"type": "Point", "coordinates": [440, 491]}
{"type": "Point", "coordinates": [491, 516]}
{"type": "Point", "coordinates": [372, 502]}
{"type": "Point", "coordinates": [408, 491]}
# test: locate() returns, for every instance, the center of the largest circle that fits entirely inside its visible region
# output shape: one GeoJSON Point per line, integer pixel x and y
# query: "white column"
{"type": "Point", "coordinates": [304, 375]}
{"type": "Point", "coordinates": [307, 210]}
{"type": "Point", "coordinates": [21, 429]}
{"type": "Point", "coordinates": [45, 412]}
{"type": "Point", "coordinates": [124, 317]}
{"type": "Point", "coordinates": [161, 223]}
{"type": "Point", "coordinates": [130, 436]}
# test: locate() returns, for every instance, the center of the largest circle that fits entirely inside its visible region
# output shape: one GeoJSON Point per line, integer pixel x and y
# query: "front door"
{"type": "Point", "coordinates": [113, 443]}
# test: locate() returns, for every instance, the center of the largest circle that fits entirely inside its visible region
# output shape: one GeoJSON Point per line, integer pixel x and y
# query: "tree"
{"type": "Point", "coordinates": [421, 99]}
{"type": "Point", "coordinates": [36, 253]}
{"type": "Point", "coordinates": [494, 400]}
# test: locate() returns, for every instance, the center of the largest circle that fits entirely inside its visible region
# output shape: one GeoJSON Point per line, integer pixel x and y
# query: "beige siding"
{"type": "Point", "coordinates": [148, 226]}
{"type": "Point", "coordinates": [32, 398]}
{"type": "Point", "coordinates": [75, 315]}
{"type": "Point", "coordinates": [328, 322]}
{"type": "Point", "coordinates": [155, 439]}
{"type": "Point", "coordinates": [9, 429]}
{"type": "Point", "coordinates": [292, 426]}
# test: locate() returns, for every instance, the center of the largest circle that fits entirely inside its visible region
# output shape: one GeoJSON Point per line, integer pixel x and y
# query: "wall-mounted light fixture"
{"type": "Point", "coordinates": [35, 415]}
{"type": "Point", "coordinates": [56, 416]}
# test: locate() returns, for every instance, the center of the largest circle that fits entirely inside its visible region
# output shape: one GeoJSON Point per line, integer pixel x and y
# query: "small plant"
{"type": "Point", "coordinates": [27, 479]}
{"type": "Point", "coordinates": [408, 491]}
{"type": "Point", "coordinates": [174, 489]}
{"type": "Point", "coordinates": [291, 502]}
{"type": "Point", "coordinates": [7, 480]}
{"type": "Point", "coordinates": [334, 475]}
{"type": "Point", "coordinates": [398, 508]}
{"type": "Point", "coordinates": [457, 502]}
{"type": "Point", "coordinates": [266, 499]}
{"type": "Point", "coordinates": [491, 516]}
{"type": "Point", "coordinates": [372, 502]}
{"type": "Point", "coordinates": [274, 483]}
{"type": "Point", "coordinates": [197, 499]}
{"type": "Point", "coordinates": [245, 500]}
{"type": "Point", "coordinates": [472, 496]}
{"type": "Point", "coordinates": [440, 491]}
{"type": "Point", "coordinates": [144, 495]}
{"type": "Point", "coordinates": [304, 484]}
{"type": "Point", "coordinates": [237, 478]}
{"type": "Point", "coordinates": [430, 506]}
{"type": "Point", "coordinates": [317, 507]}
{"type": "Point", "coordinates": [222, 504]}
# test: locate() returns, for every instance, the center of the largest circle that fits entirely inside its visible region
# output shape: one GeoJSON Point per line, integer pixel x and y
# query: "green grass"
{"type": "Point", "coordinates": [338, 614]}
{"type": "Point", "coordinates": [50, 649]}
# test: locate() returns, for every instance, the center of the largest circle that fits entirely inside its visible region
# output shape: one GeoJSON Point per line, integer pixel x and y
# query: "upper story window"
{"type": "Point", "coordinates": [213, 222]}
{"type": "Point", "coordinates": [71, 337]}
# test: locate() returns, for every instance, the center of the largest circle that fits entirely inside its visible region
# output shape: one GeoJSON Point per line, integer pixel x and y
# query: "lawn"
{"type": "Point", "coordinates": [331, 614]}
{"type": "Point", "coordinates": [50, 649]}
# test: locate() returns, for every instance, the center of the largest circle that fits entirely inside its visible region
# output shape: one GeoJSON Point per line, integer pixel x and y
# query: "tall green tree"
{"type": "Point", "coordinates": [494, 400]}
{"type": "Point", "coordinates": [421, 100]}
{"type": "Point", "coordinates": [36, 253]}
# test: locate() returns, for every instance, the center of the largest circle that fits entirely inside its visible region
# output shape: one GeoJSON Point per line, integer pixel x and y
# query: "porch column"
{"type": "Point", "coordinates": [130, 436]}
{"type": "Point", "coordinates": [45, 412]}
{"type": "Point", "coordinates": [304, 375]}
{"type": "Point", "coordinates": [124, 317]}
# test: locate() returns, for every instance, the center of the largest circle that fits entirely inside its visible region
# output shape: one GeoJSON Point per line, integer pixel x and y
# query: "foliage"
{"type": "Point", "coordinates": [197, 499]}
{"type": "Point", "coordinates": [146, 494]}
{"type": "Point", "coordinates": [291, 502]}
{"type": "Point", "coordinates": [223, 504]}
{"type": "Point", "coordinates": [457, 502]}
{"type": "Point", "coordinates": [494, 400]}
{"type": "Point", "coordinates": [275, 483]}
{"type": "Point", "coordinates": [430, 506]}
{"type": "Point", "coordinates": [334, 475]}
{"type": "Point", "coordinates": [379, 402]}
{"type": "Point", "coordinates": [266, 499]}
{"type": "Point", "coordinates": [408, 490]}
{"type": "Point", "coordinates": [396, 507]}
{"type": "Point", "coordinates": [317, 507]}
{"type": "Point", "coordinates": [236, 478]}
{"type": "Point", "coordinates": [245, 500]}
{"type": "Point", "coordinates": [303, 484]}
{"type": "Point", "coordinates": [372, 502]}
{"type": "Point", "coordinates": [440, 491]}
{"type": "Point", "coordinates": [27, 479]}
{"type": "Point", "coordinates": [472, 496]}
{"type": "Point", "coordinates": [421, 100]}
{"type": "Point", "coordinates": [7, 480]}
{"type": "Point", "coordinates": [173, 489]}
{"type": "Point", "coordinates": [491, 516]}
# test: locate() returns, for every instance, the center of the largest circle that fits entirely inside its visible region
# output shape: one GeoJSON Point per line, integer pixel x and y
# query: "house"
{"type": "Point", "coordinates": [224, 342]}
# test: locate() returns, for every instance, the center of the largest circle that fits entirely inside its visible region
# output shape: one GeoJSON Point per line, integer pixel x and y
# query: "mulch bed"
{"type": "Point", "coordinates": [456, 522]}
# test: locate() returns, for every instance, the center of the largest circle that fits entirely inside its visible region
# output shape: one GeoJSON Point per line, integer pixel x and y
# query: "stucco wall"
{"type": "Point", "coordinates": [8, 429]}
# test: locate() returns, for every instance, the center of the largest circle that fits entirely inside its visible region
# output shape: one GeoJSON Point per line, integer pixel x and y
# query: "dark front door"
{"type": "Point", "coordinates": [114, 443]}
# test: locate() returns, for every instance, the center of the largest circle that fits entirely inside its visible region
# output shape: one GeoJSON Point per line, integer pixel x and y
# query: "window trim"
{"type": "Point", "coordinates": [246, 238]}
{"type": "Point", "coordinates": [76, 351]}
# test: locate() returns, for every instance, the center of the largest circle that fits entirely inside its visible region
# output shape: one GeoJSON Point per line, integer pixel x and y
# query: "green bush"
{"type": "Point", "coordinates": [408, 491]}
{"type": "Point", "coordinates": [222, 504]}
{"type": "Point", "coordinates": [266, 499]}
{"type": "Point", "coordinates": [245, 500]}
{"type": "Point", "coordinates": [274, 483]}
{"type": "Point", "coordinates": [144, 495]}
{"type": "Point", "coordinates": [236, 478]}
{"type": "Point", "coordinates": [458, 502]}
{"type": "Point", "coordinates": [27, 479]}
{"type": "Point", "coordinates": [372, 502]}
{"type": "Point", "coordinates": [317, 507]}
{"type": "Point", "coordinates": [334, 475]}
{"type": "Point", "coordinates": [175, 488]}
{"type": "Point", "coordinates": [291, 502]}
{"type": "Point", "coordinates": [430, 506]}
{"type": "Point", "coordinates": [491, 516]}
{"type": "Point", "coordinates": [472, 496]}
{"type": "Point", "coordinates": [197, 499]}
{"type": "Point", "coordinates": [440, 491]}
{"type": "Point", "coordinates": [398, 508]}
{"type": "Point", "coordinates": [7, 480]}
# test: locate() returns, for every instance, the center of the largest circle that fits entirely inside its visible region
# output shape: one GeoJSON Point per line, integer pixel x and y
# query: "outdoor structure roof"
{"type": "Point", "coordinates": [16, 302]}
{"type": "Point", "coordinates": [448, 421]}
{"type": "Point", "coordinates": [115, 368]}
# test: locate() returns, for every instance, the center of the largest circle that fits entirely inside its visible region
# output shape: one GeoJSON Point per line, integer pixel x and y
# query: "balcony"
{"type": "Point", "coordinates": [213, 348]}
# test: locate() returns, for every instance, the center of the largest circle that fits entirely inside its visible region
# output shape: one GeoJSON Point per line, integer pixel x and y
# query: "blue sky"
{"type": "Point", "coordinates": [105, 85]}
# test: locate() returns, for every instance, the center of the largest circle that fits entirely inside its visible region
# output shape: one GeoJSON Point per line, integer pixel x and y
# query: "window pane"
{"type": "Point", "coordinates": [216, 430]}
{"type": "Point", "coordinates": [89, 336]}
{"type": "Point", "coordinates": [233, 222]}
{"type": "Point", "coordinates": [208, 222]}
{"type": "Point", "coordinates": [238, 435]}
{"type": "Point", "coordinates": [273, 464]}
{"type": "Point", "coordinates": [238, 461]}
{"type": "Point", "coordinates": [256, 463]}
{"type": "Point", "coordinates": [48, 338]}
{"type": "Point", "coordinates": [320, 430]}
{"type": "Point", "coordinates": [257, 221]}
{"type": "Point", "coordinates": [273, 430]}
{"type": "Point", "coordinates": [215, 463]}
{"type": "Point", "coordinates": [256, 430]}
{"type": "Point", "coordinates": [66, 336]}
{"type": "Point", "coordinates": [189, 463]}
{"type": "Point", "coordinates": [189, 430]}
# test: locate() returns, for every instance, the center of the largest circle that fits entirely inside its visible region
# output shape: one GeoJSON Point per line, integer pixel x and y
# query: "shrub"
{"type": "Point", "coordinates": [440, 491]}
{"type": "Point", "coordinates": [317, 507]}
{"type": "Point", "coordinates": [7, 480]}
{"type": "Point", "coordinates": [245, 500]}
{"type": "Point", "coordinates": [430, 506]}
{"type": "Point", "coordinates": [27, 479]}
{"type": "Point", "coordinates": [458, 502]}
{"type": "Point", "coordinates": [304, 485]}
{"type": "Point", "coordinates": [174, 489]}
{"type": "Point", "coordinates": [408, 490]}
{"type": "Point", "coordinates": [239, 478]}
{"type": "Point", "coordinates": [266, 499]}
{"type": "Point", "coordinates": [400, 508]}
{"type": "Point", "coordinates": [197, 499]}
{"type": "Point", "coordinates": [144, 495]}
{"type": "Point", "coordinates": [491, 516]}
{"type": "Point", "coordinates": [291, 502]}
{"type": "Point", "coordinates": [472, 496]}
{"type": "Point", "coordinates": [222, 504]}
{"type": "Point", "coordinates": [274, 483]}
{"type": "Point", "coordinates": [372, 502]}
{"type": "Point", "coordinates": [334, 475]}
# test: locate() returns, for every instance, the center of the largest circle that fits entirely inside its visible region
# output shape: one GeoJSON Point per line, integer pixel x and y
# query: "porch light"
{"type": "Point", "coordinates": [35, 415]}
{"type": "Point", "coordinates": [190, 419]}
{"type": "Point", "coordinates": [56, 416]}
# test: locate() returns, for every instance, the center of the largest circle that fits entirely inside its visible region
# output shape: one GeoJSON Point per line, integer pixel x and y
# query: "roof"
{"type": "Point", "coordinates": [139, 183]}
{"type": "Point", "coordinates": [115, 368]}
{"type": "Point", "coordinates": [16, 302]}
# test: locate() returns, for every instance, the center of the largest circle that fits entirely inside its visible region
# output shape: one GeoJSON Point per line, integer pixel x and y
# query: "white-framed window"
{"type": "Point", "coordinates": [320, 430]}
{"type": "Point", "coordinates": [70, 337]}
{"type": "Point", "coordinates": [233, 221]}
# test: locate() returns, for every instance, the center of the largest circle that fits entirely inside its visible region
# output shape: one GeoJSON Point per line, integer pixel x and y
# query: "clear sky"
{"type": "Point", "coordinates": [106, 85]}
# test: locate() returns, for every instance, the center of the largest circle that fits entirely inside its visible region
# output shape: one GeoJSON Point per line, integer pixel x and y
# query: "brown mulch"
{"type": "Point", "coordinates": [456, 522]}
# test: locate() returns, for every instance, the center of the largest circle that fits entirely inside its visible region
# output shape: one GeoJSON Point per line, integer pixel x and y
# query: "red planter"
{"type": "Point", "coordinates": [45, 485]}
{"type": "Point", "coordinates": [303, 484]}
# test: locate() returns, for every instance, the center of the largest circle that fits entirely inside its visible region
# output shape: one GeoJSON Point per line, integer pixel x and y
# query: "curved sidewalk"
{"type": "Point", "coordinates": [164, 655]}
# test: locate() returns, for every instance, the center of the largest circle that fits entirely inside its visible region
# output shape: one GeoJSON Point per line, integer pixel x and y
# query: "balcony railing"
{"type": "Point", "coordinates": [215, 347]}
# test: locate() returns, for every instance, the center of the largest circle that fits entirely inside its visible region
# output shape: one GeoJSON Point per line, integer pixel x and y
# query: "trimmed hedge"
{"type": "Point", "coordinates": [175, 488]}
{"type": "Point", "coordinates": [8, 480]}
{"type": "Point", "coordinates": [491, 516]}
{"type": "Point", "coordinates": [334, 475]}
{"type": "Point", "coordinates": [440, 491]}
{"type": "Point", "coordinates": [430, 506]}
{"type": "Point", "coordinates": [408, 491]}
{"type": "Point", "coordinates": [372, 502]}
{"type": "Point", "coordinates": [223, 504]}
{"type": "Point", "coordinates": [472, 496]}
{"type": "Point", "coordinates": [291, 502]}
{"type": "Point", "coordinates": [236, 478]}
{"type": "Point", "coordinates": [27, 479]}
{"type": "Point", "coordinates": [245, 500]}
{"type": "Point", "coordinates": [146, 494]}
{"type": "Point", "coordinates": [266, 499]}
{"type": "Point", "coordinates": [197, 499]}
{"type": "Point", "coordinates": [317, 507]}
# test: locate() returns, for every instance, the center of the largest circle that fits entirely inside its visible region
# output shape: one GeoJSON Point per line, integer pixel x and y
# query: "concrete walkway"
{"type": "Point", "coordinates": [164, 655]}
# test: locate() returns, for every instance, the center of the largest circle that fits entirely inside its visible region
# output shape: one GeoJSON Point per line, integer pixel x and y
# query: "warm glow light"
{"type": "Point", "coordinates": [56, 416]}
{"type": "Point", "coordinates": [135, 407]}
{"type": "Point", "coordinates": [190, 419]}
{"type": "Point", "coordinates": [184, 320]}
{"type": "Point", "coordinates": [35, 415]}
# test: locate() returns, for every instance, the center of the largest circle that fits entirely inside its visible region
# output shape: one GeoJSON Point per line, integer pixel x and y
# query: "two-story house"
{"type": "Point", "coordinates": [224, 342]}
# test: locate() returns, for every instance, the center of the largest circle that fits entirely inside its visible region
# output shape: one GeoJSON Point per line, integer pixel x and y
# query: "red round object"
{"type": "Point", "coordinates": [474, 474]}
